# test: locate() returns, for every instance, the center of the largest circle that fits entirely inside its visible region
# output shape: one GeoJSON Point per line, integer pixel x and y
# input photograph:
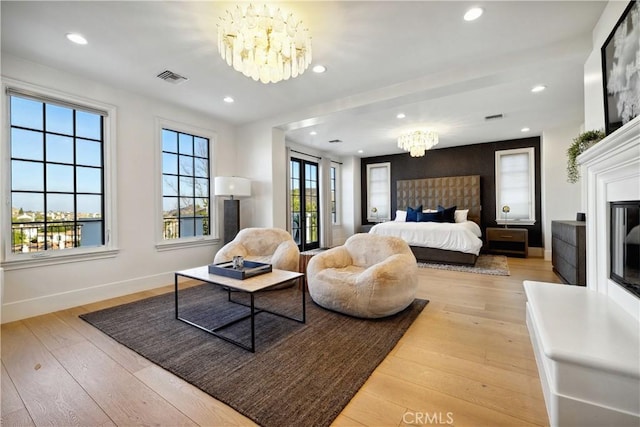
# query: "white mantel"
{"type": "Point", "coordinates": [587, 340]}
{"type": "Point", "coordinates": [610, 172]}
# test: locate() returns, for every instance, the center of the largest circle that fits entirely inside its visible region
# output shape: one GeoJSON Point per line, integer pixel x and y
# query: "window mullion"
{"type": "Point", "coordinates": [44, 172]}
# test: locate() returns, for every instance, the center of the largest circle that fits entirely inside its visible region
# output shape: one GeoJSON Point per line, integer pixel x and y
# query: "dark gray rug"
{"type": "Point", "coordinates": [300, 374]}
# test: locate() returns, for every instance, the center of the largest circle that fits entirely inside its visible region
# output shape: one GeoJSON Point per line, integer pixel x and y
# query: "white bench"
{"type": "Point", "coordinates": [588, 355]}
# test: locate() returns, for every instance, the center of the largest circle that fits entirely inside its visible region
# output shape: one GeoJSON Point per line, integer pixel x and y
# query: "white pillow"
{"type": "Point", "coordinates": [461, 215]}
{"type": "Point", "coordinates": [401, 216]}
{"type": "Point", "coordinates": [429, 210]}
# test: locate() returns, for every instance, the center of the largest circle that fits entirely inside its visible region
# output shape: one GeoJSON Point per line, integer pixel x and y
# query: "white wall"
{"type": "Point", "coordinates": [256, 161]}
{"type": "Point", "coordinates": [560, 199]}
{"type": "Point", "coordinates": [351, 197]}
{"type": "Point", "coordinates": [138, 265]}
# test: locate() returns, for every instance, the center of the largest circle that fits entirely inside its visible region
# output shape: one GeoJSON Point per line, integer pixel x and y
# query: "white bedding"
{"type": "Point", "coordinates": [461, 236]}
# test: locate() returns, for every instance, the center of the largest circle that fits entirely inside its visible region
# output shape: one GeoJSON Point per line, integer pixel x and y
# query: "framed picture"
{"type": "Point", "coordinates": [621, 70]}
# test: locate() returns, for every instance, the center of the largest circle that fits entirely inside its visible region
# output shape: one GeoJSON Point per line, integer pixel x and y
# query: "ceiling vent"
{"type": "Point", "coordinates": [171, 77]}
{"type": "Point", "coordinates": [494, 117]}
{"type": "Point", "coordinates": [335, 141]}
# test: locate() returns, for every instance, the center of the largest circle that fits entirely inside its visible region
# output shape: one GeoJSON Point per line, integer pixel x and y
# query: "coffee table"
{"type": "Point", "coordinates": [250, 286]}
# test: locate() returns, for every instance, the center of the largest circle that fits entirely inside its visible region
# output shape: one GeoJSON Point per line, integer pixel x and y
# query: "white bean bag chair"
{"type": "Point", "coordinates": [370, 276]}
{"type": "Point", "coordinates": [273, 246]}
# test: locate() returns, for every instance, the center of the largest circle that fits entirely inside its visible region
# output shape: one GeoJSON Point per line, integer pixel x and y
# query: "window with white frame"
{"type": "Point", "coordinates": [515, 186]}
{"type": "Point", "coordinates": [185, 185]}
{"type": "Point", "coordinates": [59, 177]}
{"type": "Point", "coordinates": [379, 192]}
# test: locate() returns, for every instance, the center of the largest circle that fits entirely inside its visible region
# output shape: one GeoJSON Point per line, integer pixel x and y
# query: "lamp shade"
{"type": "Point", "coordinates": [233, 186]}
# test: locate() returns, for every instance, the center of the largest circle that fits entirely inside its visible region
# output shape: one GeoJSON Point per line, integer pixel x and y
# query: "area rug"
{"type": "Point", "coordinates": [300, 374]}
{"type": "Point", "coordinates": [496, 265]}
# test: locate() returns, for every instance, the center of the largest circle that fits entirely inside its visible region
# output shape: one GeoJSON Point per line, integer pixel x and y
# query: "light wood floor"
{"type": "Point", "coordinates": [466, 360]}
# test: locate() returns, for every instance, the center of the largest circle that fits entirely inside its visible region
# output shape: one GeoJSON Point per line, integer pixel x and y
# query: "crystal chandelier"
{"type": "Point", "coordinates": [418, 142]}
{"type": "Point", "coordinates": [262, 45]}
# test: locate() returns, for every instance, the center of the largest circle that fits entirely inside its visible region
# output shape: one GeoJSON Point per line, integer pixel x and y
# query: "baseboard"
{"type": "Point", "coordinates": [23, 309]}
{"type": "Point", "coordinates": [536, 252]}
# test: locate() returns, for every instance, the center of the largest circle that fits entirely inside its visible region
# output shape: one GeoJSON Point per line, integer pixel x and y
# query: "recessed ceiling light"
{"type": "Point", "coordinates": [228, 99]}
{"type": "Point", "coordinates": [313, 133]}
{"type": "Point", "coordinates": [360, 151]}
{"type": "Point", "coordinates": [76, 38]}
{"type": "Point", "coordinates": [525, 130]}
{"type": "Point", "coordinates": [319, 69]}
{"type": "Point", "coordinates": [538, 88]}
{"type": "Point", "coordinates": [473, 14]}
{"type": "Point", "coordinates": [401, 115]}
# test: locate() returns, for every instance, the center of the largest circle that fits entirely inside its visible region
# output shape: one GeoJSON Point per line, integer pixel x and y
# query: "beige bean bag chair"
{"type": "Point", "coordinates": [370, 276]}
{"type": "Point", "coordinates": [273, 246]}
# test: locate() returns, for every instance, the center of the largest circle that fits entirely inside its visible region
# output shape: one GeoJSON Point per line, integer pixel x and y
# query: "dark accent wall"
{"type": "Point", "coordinates": [476, 159]}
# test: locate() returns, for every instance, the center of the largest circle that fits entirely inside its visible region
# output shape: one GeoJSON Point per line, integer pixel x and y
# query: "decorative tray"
{"type": "Point", "coordinates": [249, 269]}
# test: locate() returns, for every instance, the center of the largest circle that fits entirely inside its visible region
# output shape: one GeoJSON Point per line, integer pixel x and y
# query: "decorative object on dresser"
{"type": "Point", "coordinates": [231, 186]}
{"type": "Point", "coordinates": [508, 241]}
{"type": "Point", "coordinates": [569, 251]}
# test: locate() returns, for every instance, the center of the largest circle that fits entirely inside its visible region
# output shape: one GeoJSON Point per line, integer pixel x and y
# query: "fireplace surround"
{"type": "Point", "coordinates": [587, 340]}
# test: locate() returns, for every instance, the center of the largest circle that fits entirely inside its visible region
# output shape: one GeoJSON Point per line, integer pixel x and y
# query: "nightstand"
{"type": "Point", "coordinates": [508, 241]}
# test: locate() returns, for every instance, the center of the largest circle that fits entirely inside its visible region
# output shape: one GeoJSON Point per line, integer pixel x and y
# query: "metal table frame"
{"type": "Point", "coordinates": [215, 280]}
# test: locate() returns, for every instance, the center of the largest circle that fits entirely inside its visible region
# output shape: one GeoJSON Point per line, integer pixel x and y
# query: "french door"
{"type": "Point", "coordinates": [305, 204]}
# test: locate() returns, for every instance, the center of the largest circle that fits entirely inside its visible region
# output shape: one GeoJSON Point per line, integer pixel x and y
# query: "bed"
{"type": "Point", "coordinates": [451, 243]}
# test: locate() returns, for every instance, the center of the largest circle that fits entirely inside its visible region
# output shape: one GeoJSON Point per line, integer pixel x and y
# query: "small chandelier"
{"type": "Point", "coordinates": [418, 142]}
{"type": "Point", "coordinates": [264, 46]}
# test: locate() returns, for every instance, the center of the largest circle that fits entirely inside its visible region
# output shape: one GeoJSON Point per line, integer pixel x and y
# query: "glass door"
{"type": "Point", "coordinates": [305, 215]}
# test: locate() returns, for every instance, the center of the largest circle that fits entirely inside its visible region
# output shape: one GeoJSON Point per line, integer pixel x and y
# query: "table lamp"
{"type": "Point", "coordinates": [233, 187]}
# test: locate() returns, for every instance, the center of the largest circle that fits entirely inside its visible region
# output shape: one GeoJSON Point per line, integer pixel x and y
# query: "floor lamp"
{"type": "Point", "coordinates": [233, 187]}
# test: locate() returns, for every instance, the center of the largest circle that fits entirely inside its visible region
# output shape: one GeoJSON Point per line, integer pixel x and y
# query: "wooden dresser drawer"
{"type": "Point", "coordinates": [506, 234]}
{"type": "Point", "coordinates": [508, 241]}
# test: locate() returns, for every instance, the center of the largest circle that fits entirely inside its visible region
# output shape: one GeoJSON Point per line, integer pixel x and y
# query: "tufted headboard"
{"type": "Point", "coordinates": [461, 191]}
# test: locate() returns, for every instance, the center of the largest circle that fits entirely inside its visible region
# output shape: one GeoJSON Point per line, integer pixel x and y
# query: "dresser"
{"type": "Point", "coordinates": [508, 241]}
{"type": "Point", "coordinates": [569, 251]}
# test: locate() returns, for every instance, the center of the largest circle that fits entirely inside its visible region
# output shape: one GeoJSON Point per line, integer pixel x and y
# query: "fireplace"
{"type": "Point", "coordinates": [624, 254]}
{"type": "Point", "coordinates": [587, 340]}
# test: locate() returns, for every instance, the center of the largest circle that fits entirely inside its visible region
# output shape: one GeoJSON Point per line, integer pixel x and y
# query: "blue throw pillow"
{"type": "Point", "coordinates": [429, 217]}
{"type": "Point", "coordinates": [447, 214]}
{"type": "Point", "coordinates": [412, 214]}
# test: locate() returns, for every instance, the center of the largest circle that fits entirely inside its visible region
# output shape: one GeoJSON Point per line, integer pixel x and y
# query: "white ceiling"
{"type": "Point", "coordinates": [383, 57]}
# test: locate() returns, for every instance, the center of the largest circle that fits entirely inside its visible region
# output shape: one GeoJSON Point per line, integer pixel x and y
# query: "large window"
{"type": "Point", "coordinates": [185, 185]}
{"type": "Point", "coordinates": [515, 186]}
{"type": "Point", "coordinates": [379, 192]}
{"type": "Point", "coordinates": [57, 157]}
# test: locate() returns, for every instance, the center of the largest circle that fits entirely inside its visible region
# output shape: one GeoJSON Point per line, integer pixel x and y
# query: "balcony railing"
{"type": "Point", "coordinates": [32, 237]}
